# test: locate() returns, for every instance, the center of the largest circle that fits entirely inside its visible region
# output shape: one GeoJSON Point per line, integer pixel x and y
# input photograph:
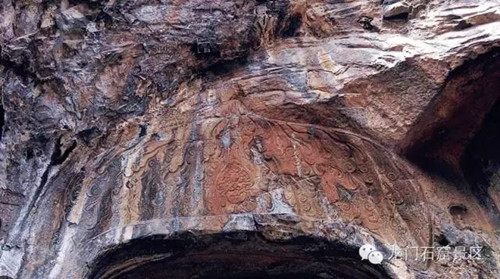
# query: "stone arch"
{"type": "Point", "coordinates": [240, 254]}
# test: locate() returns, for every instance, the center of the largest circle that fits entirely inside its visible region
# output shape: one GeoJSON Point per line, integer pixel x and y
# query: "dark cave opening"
{"type": "Point", "coordinates": [241, 255]}
{"type": "Point", "coordinates": [457, 138]}
{"type": "Point", "coordinates": [439, 139]}
{"type": "Point", "coordinates": [481, 163]}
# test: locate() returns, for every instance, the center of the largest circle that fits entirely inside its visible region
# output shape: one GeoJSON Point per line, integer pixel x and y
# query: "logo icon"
{"type": "Point", "coordinates": [368, 252]}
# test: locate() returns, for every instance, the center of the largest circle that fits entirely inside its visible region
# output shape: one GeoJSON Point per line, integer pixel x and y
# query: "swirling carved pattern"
{"type": "Point", "coordinates": [367, 183]}
{"type": "Point", "coordinates": [248, 163]}
{"type": "Point", "coordinates": [231, 186]}
{"type": "Point", "coordinates": [303, 194]}
{"type": "Point", "coordinates": [233, 190]}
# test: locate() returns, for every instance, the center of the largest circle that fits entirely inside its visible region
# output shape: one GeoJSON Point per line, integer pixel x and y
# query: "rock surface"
{"type": "Point", "coordinates": [248, 138]}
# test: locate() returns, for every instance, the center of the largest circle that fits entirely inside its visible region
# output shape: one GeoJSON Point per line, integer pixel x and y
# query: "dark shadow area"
{"type": "Point", "coordinates": [438, 140]}
{"type": "Point", "coordinates": [399, 17]}
{"type": "Point", "coordinates": [291, 26]}
{"type": "Point", "coordinates": [233, 256]}
{"type": "Point", "coordinates": [481, 164]}
{"type": "Point", "coordinates": [265, 276]}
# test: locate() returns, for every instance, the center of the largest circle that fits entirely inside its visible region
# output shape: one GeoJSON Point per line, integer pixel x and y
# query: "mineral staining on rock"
{"type": "Point", "coordinates": [157, 137]}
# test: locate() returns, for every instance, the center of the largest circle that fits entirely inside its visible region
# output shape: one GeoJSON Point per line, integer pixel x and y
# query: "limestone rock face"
{"type": "Point", "coordinates": [224, 139]}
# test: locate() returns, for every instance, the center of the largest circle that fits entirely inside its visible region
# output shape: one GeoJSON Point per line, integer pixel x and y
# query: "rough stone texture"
{"type": "Point", "coordinates": [247, 138]}
{"type": "Point", "coordinates": [397, 9]}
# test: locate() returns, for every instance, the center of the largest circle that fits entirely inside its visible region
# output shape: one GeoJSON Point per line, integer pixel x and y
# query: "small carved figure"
{"type": "Point", "coordinates": [263, 28]}
{"type": "Point", "coordinates": [366, 21]}
{"type": "Point", "coordinates": [203, 47]}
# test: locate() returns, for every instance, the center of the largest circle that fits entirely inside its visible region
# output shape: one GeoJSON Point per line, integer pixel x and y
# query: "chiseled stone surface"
{"type": "Point", "coordinates": [349, 122]}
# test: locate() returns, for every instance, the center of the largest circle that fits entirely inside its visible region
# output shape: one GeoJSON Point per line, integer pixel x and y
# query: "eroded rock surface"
{"type": "Point", "coordinates": [248, 138]}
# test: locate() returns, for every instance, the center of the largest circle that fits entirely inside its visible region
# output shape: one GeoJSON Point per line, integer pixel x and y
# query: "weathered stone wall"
{"type": "Point", "coordinates": [141, 135]}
